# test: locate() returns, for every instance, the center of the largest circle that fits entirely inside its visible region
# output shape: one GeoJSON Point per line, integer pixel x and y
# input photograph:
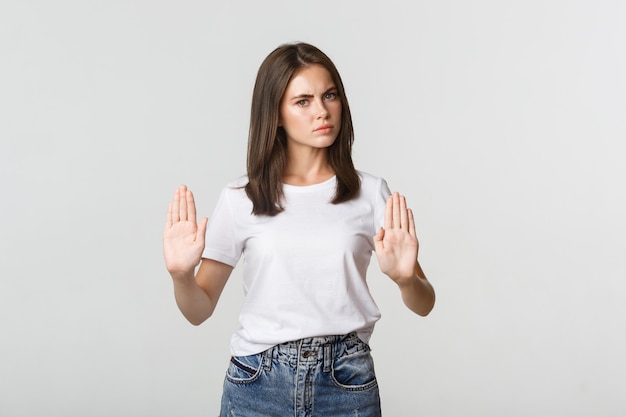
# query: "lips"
{"type": "Point", "coordinates": [324, 129]}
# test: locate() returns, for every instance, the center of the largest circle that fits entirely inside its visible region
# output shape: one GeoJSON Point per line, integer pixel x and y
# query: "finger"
{"type": "Point", "coordinates": [191, 207]}
{"type": "Point", "coordinates": [183, 203]}
{"type": "Point", "coordinates": [412, 231]}
{"type": "Point", "coordinates": [404, 215]}
{"type": "Point", "coordinates": [396, 210]}
{"type": "Point", "coordinates": [202, 230]}
{"type": "Point", "coordinates": [380, 234]}
{"type": "Point", "coordinates": [176, 206]}
{"type": "Point", "coordinates": [378, 239]}
{"type": "Point", "coordinates": [389, 213]}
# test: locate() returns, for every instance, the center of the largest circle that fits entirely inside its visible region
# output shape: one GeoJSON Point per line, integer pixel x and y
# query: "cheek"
{"type": "Point", "coordinates": [337, 110]}
{"type": "Point", "coordinates": [295, 123]}
{"type": "Point", "coordinates": [297, 119]}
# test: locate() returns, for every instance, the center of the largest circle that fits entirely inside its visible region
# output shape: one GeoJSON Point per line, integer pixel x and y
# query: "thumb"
{"type": "Point", "coordinates": [202, 229]}
{"type": "Point", "coordinates": [378, 239]}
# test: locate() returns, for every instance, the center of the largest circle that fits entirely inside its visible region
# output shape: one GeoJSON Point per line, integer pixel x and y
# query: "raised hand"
{"type": "Point", "coordinates": [183, 238]}
{"type": "Point", "coordinates": [396, 244]}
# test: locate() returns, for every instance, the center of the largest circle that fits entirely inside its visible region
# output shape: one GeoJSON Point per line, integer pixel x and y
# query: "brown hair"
{"type": "Point", "coordinates": [267, 142]}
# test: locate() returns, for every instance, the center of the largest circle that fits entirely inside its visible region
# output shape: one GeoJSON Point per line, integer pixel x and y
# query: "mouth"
{"type": "Point", "coordinates": [324, 129]}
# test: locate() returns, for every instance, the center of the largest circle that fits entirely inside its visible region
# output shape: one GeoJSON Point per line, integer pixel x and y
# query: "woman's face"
{"type": "Point", "coordinates": [310, 110]}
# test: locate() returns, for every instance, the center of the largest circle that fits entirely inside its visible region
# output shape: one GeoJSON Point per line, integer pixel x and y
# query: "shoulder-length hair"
{"type": "Point", "coordinates": [267, 142]}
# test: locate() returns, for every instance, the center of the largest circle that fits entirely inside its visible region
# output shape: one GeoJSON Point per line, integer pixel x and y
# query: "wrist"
{"type": "Point", "coordinates": [182, 277]}
{"type": "Point", "coordinates": [407, 282]}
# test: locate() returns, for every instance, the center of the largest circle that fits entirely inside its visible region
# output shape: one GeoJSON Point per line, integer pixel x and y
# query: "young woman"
{"type": "Point", "coordinates": [305, 222]}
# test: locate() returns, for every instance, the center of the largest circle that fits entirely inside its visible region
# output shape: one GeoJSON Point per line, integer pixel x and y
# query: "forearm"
{"type": "Point", "coordinates": [192, 300]}
{"type": "Point", "coordinates": [417, 293]}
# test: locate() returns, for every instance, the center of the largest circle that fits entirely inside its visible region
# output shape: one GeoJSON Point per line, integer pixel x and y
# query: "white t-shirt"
{"type": "Point", "coordinates": [303, 269]}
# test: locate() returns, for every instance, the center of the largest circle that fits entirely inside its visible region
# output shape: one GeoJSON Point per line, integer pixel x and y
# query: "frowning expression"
{"type": "Point", "coordinates": [310, 110]}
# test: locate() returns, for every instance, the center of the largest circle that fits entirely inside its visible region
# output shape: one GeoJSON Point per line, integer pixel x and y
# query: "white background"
{"type": "Point", "coordinates": [502, 121]}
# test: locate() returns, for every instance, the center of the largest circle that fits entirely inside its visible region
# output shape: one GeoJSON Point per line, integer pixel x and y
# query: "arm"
{"type": "Point", "coordinates": [396, 250]}
{"type": "Point", "coordinates": [183, 243]}
{"type": "Point", "coordinates": [197, 296]}
{"type": "Point", "coordinates": [417, 293]}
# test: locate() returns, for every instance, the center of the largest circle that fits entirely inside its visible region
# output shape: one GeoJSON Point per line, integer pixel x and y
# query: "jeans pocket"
{"type": "Point", "coordinates": [355, 371]}
{"type": "Point", "coordinates": [244, 369]}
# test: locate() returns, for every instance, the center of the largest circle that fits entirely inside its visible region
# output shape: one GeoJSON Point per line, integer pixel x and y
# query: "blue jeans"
{"type": "Point", "coordinates": [330, 376]}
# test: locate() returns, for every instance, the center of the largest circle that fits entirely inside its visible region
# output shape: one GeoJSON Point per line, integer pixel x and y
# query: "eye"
{"type": "Point", "coordinates": [302, 102]}
{"type": "Point", "coordinates": [330, 96]}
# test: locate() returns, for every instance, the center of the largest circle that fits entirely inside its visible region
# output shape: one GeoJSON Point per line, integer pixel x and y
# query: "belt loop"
{"type": "Point", "coordinates": [328, 357]}
{"type": "Point", "coordinates": [267, 358]}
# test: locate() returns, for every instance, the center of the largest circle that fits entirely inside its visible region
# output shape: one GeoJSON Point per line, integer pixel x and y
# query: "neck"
{"type": "Point", "coordinates": [307, 168]}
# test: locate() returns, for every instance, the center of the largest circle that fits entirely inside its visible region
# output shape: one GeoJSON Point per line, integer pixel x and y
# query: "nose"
{"type": "Point", "coordinates": [322, 110]}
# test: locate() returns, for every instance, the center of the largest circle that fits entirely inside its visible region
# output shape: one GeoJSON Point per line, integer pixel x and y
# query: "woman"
{"type": "Point", "coordinates": [306, 222]}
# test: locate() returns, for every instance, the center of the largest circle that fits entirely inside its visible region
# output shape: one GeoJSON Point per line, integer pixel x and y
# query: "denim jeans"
{"type": "Point", "coordinates": [330, 376]}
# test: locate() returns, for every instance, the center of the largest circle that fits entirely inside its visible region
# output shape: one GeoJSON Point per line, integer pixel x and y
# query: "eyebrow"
{"type": "Point", "coordinates": [301, 96]}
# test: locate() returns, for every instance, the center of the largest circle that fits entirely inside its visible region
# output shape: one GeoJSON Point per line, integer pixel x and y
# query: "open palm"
{"type": "Point", "coordinates": [183, 238]}
{"type": "Point", "coordinates": [396, 244]}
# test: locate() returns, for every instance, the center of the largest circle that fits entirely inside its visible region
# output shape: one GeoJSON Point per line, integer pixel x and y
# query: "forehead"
{"type": "Point", "coordinates": [312, 78]}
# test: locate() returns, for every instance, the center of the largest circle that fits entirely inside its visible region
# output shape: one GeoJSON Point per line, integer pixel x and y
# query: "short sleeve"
{"type": "Point", "coordinates": [221, 242]}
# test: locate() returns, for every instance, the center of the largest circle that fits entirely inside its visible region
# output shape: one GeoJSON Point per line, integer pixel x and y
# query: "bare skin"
{"type": "Point", "coordinates": [396, 250]}
{"type": "Point", "coordinates": [183, 243]}
{"type": "Point", "coordinates": [197, 295]}
{"type": "Point", "coordinates": [311, 116]}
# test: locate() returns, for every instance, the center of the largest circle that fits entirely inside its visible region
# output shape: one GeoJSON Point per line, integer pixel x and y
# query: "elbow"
{"type": "Point", "coordinates": [426, 311]}
{"type": "Point", "coordinates": [419, 299]}
{"type": "Point", "coordinates": [426, 307]}
{"type": "Point", "coordinates": [197, 320]}
{"type": "Point", "coordinates": [194, 314]}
